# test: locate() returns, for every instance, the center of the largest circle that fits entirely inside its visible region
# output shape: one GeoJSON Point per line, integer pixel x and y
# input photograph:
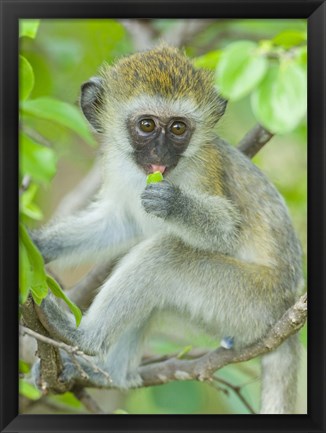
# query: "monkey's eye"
{"type": "Point", "coordinates": [178, 128]}
{"type": "Point", "coordinates": [147, 125]}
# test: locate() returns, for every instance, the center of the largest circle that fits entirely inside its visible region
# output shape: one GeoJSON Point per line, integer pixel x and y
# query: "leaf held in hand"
{"type": "Point", "coordinates": [154, 177]}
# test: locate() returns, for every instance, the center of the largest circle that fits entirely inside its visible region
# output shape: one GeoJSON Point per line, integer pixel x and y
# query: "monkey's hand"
{"type": "Point", "coordinates": [160, 199]}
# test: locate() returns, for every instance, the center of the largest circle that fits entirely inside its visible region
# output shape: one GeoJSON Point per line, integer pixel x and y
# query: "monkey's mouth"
{"type": "Point", "coordinates": [153, 167]}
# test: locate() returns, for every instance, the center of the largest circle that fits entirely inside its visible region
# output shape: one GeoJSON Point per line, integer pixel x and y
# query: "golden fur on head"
{"type": "Point", "coordinates": [163, 71]}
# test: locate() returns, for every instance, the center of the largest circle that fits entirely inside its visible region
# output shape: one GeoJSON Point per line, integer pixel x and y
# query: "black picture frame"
{"type": "Point", "coordinates": [11, 11]}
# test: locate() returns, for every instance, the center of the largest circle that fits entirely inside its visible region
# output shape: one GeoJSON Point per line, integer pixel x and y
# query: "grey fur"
{"type": "Point", "coordinates": [213, 240]}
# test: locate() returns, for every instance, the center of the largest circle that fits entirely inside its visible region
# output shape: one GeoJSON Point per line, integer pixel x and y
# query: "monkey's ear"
{"type": "Point", "coordinates": [222, 103]}
{"type": "Point", "coordinates": [91, 101]}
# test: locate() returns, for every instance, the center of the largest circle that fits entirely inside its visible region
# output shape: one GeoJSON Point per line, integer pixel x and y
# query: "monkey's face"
{"type": "Point", "coordinates": [158, 142]}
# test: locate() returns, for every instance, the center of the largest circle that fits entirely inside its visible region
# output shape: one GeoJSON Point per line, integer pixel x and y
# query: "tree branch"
{"type": "Point", "coordinates": [72, 350]}
{"type": "Point", "coordinates": [85, 290]}
{"type": "Point", "coordinates": [254, 140]}
{"type": "Point", "coordinates": [185, 30]}
{"type": "Point", "coordinates": [236, 390]}
{"type": "Point", "coordinates": [203, 368]}
{"type": "Point", "coordinates": [51, 364]}
{"type": "Point", "coordinates": [142, 32]}
{"type": "Point", "coordinates": [80, 195]}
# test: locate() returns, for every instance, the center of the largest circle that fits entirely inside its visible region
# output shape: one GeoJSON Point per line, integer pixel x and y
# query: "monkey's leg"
{"type": "Point", "coordinates": [123, 358]}
{"type": "Point", "coordinates": [235, 298]}
{"type": "Point", "coordinates": [121, 361]}
{"type": "Point", "coordinates": [231, 297]}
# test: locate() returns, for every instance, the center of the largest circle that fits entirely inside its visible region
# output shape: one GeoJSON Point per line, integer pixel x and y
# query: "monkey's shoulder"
{"type": "Point", "coordinates": [227, 171]}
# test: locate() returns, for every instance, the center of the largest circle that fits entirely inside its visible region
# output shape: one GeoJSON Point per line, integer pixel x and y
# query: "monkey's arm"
{"type": "Point", "coordinates": [202, 221]}
{"type": "Point", "coordinates": [78, 237]}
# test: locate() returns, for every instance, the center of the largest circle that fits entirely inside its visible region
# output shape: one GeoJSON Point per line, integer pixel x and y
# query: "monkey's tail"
{"type": "Point", "coordinates": [279, 378]}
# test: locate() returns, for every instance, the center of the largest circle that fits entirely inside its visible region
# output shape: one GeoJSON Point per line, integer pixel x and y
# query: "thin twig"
{"type": "Point", "coordinates": [237, 391]}
{"type": "Point", "coordinates": [79, 368]}
{"type": "Point", "coordinates": [34, 135]}
{"type": "Point", "coordinates": [204, 367]}
{"type": "Point", "coordinates": [192, 354]}
{"type": "Point", "coordinates": [26, 181]}
{"type": "Point", "coordinates": [87, 400]}
{"type": "Point", "coordinates": [73, 351]}
{"type": "Point", "coordinates": [70, 349]}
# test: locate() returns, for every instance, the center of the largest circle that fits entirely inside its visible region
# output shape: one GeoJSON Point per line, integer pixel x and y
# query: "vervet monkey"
{"type": "Point", "coordinates": [213, 240]}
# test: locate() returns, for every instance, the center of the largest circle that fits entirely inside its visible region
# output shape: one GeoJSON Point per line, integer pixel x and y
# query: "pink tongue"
{"type": "Point", "coordinates": [160, 168]}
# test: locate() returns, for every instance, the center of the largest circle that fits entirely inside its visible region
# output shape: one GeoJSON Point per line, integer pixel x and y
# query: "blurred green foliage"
{"type": "Point", "coordinates": [260, 66]}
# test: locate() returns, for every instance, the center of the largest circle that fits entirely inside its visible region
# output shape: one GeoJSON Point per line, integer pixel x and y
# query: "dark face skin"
{"type": "Point", "coordinates": [159, 141]}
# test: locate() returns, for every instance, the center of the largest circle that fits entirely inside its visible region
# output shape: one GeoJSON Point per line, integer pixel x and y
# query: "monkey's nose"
{"type": "Point", "coordinates": [158, 154]}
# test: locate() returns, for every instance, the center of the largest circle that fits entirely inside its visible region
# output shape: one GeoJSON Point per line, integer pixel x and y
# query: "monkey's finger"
{"type": "Point", "coordinates": [155, 207]}
{"type": "Point", "coordinates": [160, 186]}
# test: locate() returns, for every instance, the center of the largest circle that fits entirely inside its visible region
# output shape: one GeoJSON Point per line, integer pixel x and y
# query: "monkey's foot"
{"type": "Point", "coordinates": [132, 380]}
{"type": "Point", "coordinates": [76, 371]}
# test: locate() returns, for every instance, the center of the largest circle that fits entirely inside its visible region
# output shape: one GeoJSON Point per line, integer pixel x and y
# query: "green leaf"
{"type": "Point", "coordinates": [32, 211]}
{"type": "Point", "coordinates": [28, 28]}
{"type": "Point", "coordinates": [37, 278]}
{"type": "Point", "coordinates": [67, 399]}
{"type": "Point", "coordinates": [60, 112]}
{"type": "Point", "coordinates": [27, 207]}
{"type": "Point", "coordinates": [184, 352]}
{"type": "Point", "coordinates": [34, 278]}
{"type": "Point", "coordinates": [28, 196]}
{"type": "Point", "coordinates": [26, 78]}
{"type": "Point", "coordinates": [290, 38]}
{"type": "Point", "coordinates": [154, 177]}
{"type": "Point", "coordinates": [301, 57]}
{"type": "Point", "coordinates": [28, 390]}
{"type": "Point", "coordinates": [209, 60]}
{"type": "Point", "coordinates": [24, 367]}
{"type": "Point", "coordinates": [280, 101]}
{"type": "Point", "coordinates": [59, 293]}
{"type": "Point", "coordinates": [36, 160]}
{"type": "Point", "coordinates": [303, 335]}
{"type": "Point", "coordinates": [240, 69]}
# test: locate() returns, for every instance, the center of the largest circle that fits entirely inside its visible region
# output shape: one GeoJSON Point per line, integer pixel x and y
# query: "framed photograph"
{"type": "Point", "coordinates": [169, 217]}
